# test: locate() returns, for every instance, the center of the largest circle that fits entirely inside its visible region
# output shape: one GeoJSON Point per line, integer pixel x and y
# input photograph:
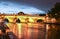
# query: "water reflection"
{"type": "Point", "coordinates": [28, 31]}
{"type": "Point", "coordinates": [24, 31]}
{"type": "Point", "coordinates": [54, 31]}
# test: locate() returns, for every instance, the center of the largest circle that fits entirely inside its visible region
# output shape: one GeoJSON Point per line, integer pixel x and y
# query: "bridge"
{"type": "Point", "coordinates": [24, 26]}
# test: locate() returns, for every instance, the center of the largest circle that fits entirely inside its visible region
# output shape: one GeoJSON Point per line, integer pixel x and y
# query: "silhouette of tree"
{"type": "Point", "coordinates": [20, 13]}
{"type": "Point", "coordinates": [55, 12]}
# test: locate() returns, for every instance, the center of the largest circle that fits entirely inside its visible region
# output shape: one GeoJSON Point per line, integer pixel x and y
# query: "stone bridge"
{"type": "Point", "coordinates": [25, 26]}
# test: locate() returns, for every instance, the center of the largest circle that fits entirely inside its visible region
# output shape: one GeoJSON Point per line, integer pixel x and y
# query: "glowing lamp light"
{"type": "Point", "coordinates": [53, 20]}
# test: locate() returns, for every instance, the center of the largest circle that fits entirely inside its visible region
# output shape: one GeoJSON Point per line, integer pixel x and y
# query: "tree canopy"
{"type": "Point", "coordinates": [55, 11]}
{"type": "Point", "coordinates": [21, 13]}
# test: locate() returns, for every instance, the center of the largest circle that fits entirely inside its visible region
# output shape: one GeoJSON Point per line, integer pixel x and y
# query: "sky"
{"type": "Point", "coordinates": [26, 6]}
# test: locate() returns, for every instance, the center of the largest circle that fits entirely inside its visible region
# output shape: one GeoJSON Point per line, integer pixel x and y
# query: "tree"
{"type": "Point", "coordinates": [21, 13]}
{"type": "Point", "coordinates": [55, 12]}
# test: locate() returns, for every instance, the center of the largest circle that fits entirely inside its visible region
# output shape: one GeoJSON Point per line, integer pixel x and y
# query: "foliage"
{"type": "Point", "coordinates": [55, 12]}
{"type": "Point", "coordinates": [21, 13]}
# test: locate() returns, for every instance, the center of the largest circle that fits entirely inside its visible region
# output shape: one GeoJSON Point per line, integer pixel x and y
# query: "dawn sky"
{"type": "Point", "coordinates": [27, 6]}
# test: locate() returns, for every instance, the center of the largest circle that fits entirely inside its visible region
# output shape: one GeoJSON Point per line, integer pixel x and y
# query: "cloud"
{"type": "Point", "coordinates": [5, 4]}
{"type": "Point", "coordinates": [15, 8]}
